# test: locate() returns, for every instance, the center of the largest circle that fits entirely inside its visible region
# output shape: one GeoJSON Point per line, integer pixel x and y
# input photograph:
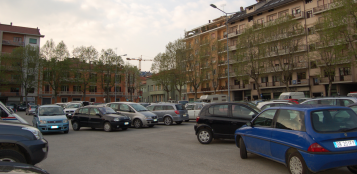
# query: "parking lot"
{"type": "Point", "coordinates": [161, 149]}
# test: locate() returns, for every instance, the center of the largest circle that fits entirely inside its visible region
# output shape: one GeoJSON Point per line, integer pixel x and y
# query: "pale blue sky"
{"type": "Point", "coordinates": [134, 27]}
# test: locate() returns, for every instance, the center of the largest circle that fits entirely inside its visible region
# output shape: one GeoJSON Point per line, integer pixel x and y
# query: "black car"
{"type": "Point", "coordinates": [99, 117]}
{"type": "Point", "coordinates": [220, 120]}
{"type": "Point", "coordinates": [21, 143]}
{"type": "Point", "coordinates": [20, 168]}
{"type": "Point", "coordinates": [22, 107]}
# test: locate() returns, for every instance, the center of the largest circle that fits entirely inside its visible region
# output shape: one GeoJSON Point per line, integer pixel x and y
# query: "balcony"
{"type": "Point", "coordinates": [346, 78]}
{"type": "Point", "coordinates": [292, 50]}
{"type": "Point", "coordinates": [10, 94]}
{"type": "Point", "coordinates": [299, 15]}
{"type": "Point", "coordinates": [242, 87]}
{"type": "Point", "coordinates": [222, 75]}
{"type": "Point", "coordinates": [13, 43]}
{"type": "Point", "coordinates": [222, 63]}
{"type": "Point", "coordinates": [205, 89]}
{"type": "Point", "coordinates": [235, 32]}
{"type": "Point", "coordinates": [222, 87]}
{"type": "Point", "coordinates": [232, 47]}
{"type": "Point", "coordinates": [300, 82]}
{"type": "Point", "coordinates": [320, 9]}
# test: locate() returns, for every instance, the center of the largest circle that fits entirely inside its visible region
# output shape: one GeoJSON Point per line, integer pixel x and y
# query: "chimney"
{"type": "Point", "coordinates": [241, 9]}
{"type": "Point", "coordinates": [11, 23]}
{"type": "Point", "coordinates": [209, 21]}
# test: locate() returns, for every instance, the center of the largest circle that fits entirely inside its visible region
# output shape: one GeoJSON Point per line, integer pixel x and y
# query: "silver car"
{"type": "Point", "coordinates": [139, 115]}
{"type": "Point", "coordinates": [169, 112]}
{"type": "Point", "coordinates": [338, 101]}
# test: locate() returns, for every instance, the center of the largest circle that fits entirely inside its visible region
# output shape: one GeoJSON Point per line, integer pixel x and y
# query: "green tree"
{"type": "Point", "coordinates": [162, 68]}
{"type": "Point", "coordinates": [132, 79]}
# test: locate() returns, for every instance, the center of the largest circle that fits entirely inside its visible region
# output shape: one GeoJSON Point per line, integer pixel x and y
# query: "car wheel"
{"type": "Point", "coordinates": [66, 132]}
{"type": "Point", "coordinates": [167, 121]}
{"type": "Point", "coordinates": [75, 126]}
{"type": "Point", "coordinates": [296, 164]}
{"type": "Point", "coordinates": [125, 128]}
{"type": "Point", "coordinates": [107, 127]}
{"type": "Point", "coordinates": [352, 169]}
{"type": "Point", "coordinates": [204, 136]}
{"type": "Point", "coordinates": [12, 156]}
{"type": "Point", "coordinates": [187, 120]}
{"type": "Point", "coordinates": [178, 122]}
{"type": "Point", "coordinates": [138, 123]}
{"type": "Point", "coordinates": [243, 149]}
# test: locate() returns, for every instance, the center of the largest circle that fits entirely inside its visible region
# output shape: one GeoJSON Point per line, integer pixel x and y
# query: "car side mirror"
{"type": "Point", "coordinates": [4, 114]}
{"type": "Point", "coordinates": [249, 124]}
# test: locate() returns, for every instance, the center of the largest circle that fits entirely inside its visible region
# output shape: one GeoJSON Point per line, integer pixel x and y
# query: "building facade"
{"type": "Point", "coordinates": [306, 74]}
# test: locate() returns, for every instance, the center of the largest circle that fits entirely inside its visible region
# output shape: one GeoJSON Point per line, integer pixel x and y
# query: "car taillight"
{"type": "Point", "coordinates": [316, 148]}
{"type": "Point", "coordinates": [177, 112]}
{"type": "Point", "coordinates": [30, 108]}
{"type": "Point", "coordinates": [197, 118]}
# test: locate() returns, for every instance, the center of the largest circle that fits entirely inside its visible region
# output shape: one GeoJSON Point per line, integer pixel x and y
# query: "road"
{"type": "Point", "coordinates": [161, 149]}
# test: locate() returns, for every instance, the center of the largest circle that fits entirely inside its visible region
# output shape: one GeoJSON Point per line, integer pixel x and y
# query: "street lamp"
{"type": "Point", "coordinates": [115, 81]}
{"type": "Point", "coordinates": [214, 6]}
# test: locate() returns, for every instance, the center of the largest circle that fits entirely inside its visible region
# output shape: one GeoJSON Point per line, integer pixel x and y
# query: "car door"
{"type": "Point", "coordinates": [191, 111]}
{"type": "Point", "coordinates": [197, 110]}
{"type": "Point", "coordinates": [240, 116]}
{"type": "Point", "coordinates": [257, 138]}
{"type": "Point", "coordinates": [158, 110]}
{"type": "Point", "coordinates": [95, 120]}
{"type": "Point", "coordinates": [219, 120]}
{"type": "Point", "coordinates": [83, 117]}
{"type": "Point", "coordinates": [289, 131]}
{"type": "Point", "coordinates": [125, 110]}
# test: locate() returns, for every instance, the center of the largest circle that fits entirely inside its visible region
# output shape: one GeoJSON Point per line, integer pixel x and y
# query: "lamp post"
{"type": "Point", "coordinates": [214, 6]}
{"type": "Point", "coordinates": [115, 81]}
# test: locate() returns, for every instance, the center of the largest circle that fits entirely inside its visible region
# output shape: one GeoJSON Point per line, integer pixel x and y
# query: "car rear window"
{"type": "Point", "coordinates": [218, 110]}
{"type": "Point", "coordinates": [335, 120]}
{"type": "Point", "coordinates": [180, 107]}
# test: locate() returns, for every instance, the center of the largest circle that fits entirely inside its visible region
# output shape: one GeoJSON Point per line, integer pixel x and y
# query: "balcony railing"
{"type": "Point", "coordinates": [300, 82]}
{"type": "Point", "coordinates": [205, 89]}
{"type": "Point", "coordinates": [15, 43]}
{"type": "Point", "coordinates": [222, 75]}
{"type": "Point", "coordinates": [10, 94]}
{"type": "Point", "coordinates": [222, 88]}
{"type": "Point", "coordinates": [343, 78]}
{"type": "Point", "coordinates": [243, 86]}
{"type": "Point", "coordinates": [299, 15]}
{"type": "Point", "coordinates": [235, 32]}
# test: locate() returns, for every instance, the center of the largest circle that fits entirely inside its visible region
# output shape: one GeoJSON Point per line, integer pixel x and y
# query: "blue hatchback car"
{"type": "Point", "coordinates": [303, 137]}
{"type": "Point", "coordinates": [50, 118]}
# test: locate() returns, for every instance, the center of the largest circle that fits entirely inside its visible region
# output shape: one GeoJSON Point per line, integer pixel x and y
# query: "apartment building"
{"type": "Point", "coordinates": [308, 73]}
{"type": "Point", "coordinates": [12, 37]}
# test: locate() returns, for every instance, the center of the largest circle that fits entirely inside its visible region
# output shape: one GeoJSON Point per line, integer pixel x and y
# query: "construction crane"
{"type": "Point", "coordinates": [139, 59]}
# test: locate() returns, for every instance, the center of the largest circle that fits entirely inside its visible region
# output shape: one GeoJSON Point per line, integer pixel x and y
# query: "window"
{"type": "Point", "coordinates": [265, 118]}
{"type": "Point", "coordinates": [158, 108]}
{"type": "Point", "coordinates": [309, 14]}
{"type": "Point", "coordinates": [168, 108]}
{"type": "Point", "coordinates": [64, 88]}
{"type": "Point", "coordinates": [312, 102]}
{"type": "Point", "coordinates": [92, 99]}
{"type": "Point", "coordinates": [124, 108]}
{"type": "Point", "coordinates": [291, 120]}
{"type": "Point", "coordinates": [242, 112]}
{"type": "Point", "coordinates": [333, 120]}
{"type": "Point", "coordinates": [84, 111]}
{"type": "Point", "coordinates": [218, 110]}
{"type": "Point", "coordinates": [33, 41]}
{"type": "Point", "coordinates": [114, 106]}
{"type": "Point", "coordinates": [198, 107]}
{"type": "Point", "coordinates": [271, 17]}
{"type": "Point", "coordinates": [76, 99]}
{"type": "Point", "coordinates": [93, 89]}
{"type": "Point", "coordinates": [77, 88]}
{"type": "Point", "coordinates": [313, 64]}
{"type": "Point", "coordinates": [118, 78]}
{"type": "Point", "coordinates": [78, 75]}
{"type": "Point", "coordinates": [308, 1]}
{"type": "Point", "coordinates": [296, 11]}
{"type": "Point", "coordinates": [93, 77]}
{"type": "Point", "coordinates": [343, 102]}
{"type": "Point", "coordinates": [327, 102]}
{"type": "Point", "coordinates": [213, 35]}
{"type": "Point", "coordinates": [283, 13]}
{"type": "Point", "coordinates": [354, 108]}
{"type": "Point", "coordinates": [94, 111]}
{"type": "Point", "coordinates": [47, 88]}
{"type": "Point", "coordinates": [250, 18]}
{"type": "Point", "coordinates": [17, 39]}
{"type": "Point", "coordinates": [190, 107]}
{"type": "Point", "coordinates": [64, 100]}
{"type": "Point", "coordinates": [264, 79]}
{"type": "Point", "coordinates": [345, 71]}
{"type": "Point", "coordinates": [107, 89]}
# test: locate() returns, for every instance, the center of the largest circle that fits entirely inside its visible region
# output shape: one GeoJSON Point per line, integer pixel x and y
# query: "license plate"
{"type": "Point", "coordinates": [54, 127]}
{"type": "Point", "coordinates": [126, 123]}
{"type": "Point", "coordinates": [349, 143]}
{"type": "Point", "coordinates": [155, 119]}
{"type": "Point", "coordinates": [184, 115]}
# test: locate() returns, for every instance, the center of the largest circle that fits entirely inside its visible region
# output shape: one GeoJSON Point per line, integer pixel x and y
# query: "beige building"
{"type": "Point", "coordinates": [307, 75]}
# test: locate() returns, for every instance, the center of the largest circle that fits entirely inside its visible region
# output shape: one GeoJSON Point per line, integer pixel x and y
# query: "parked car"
{"type": "Point", "coordinates": [63, 105]}
{"type": "Point", "coordinates": [268, 104]}
{"type": "Point", "coordinates": [9, 115]}
{"type": "Point", "coordinates": [50, 118]}
{"type": "Point", "coordinates": [139, 115]}
{"type": "Point", "coordinates": [337, 101]}
{"type": "Point", "coordinates": [183, 102]}
{"type": "Point", "coordinates": [303, 137]}
{"type": "Point", "coordinates": [12, 107]}
{"type": "Point", "coordinates": [22, 107]}
{"type": "Point", "coordinates": [31, 110]}
{"type": "Point", "coordinates": [20, 168]}
{"type": "Point", "coordinates": [22, 143]}
{"type": "Point", "coordinates": [145, 104]}
{"type": "Point", "coordinates": [99, 117]}
{"type": "Point", "coordinates": [83, 103]}
{"type": "Point", "coordinates": [71, 108]}
{"type": "Point", "coordinates": [303, 99]}
{"type": "Point", "coordinates": [194, 109]}
{"type": "Point", "coordinates": [353, 107]}
{"type": "Point", "coordinates": [220, 120]}
{"type": "Point", "coordinates": [169, 113]}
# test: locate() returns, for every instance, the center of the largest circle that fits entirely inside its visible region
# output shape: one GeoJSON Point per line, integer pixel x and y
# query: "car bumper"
{"type": "Point", "coordinates": [38, 150]}
{"type": "Point", "coordinates": [319, 162]}
{"type": "Point", "coordinates": [120, 124]}
{"type": "Point", "coordinates": [31, 113]}
{"type": "Point", "coordinates": [69, 115]}
{"type": "Point", "coordinates": [181, 118]}
{"type": "Point", "coordinates": [151, 122]}
{"type": "Point", "coordinates": [53, 128]}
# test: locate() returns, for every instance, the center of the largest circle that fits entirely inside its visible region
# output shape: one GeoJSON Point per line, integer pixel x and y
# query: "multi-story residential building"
{"type": "Point", "coordinates": [307, 75]}
{"type": "Point", "coordinates": [12, 37]}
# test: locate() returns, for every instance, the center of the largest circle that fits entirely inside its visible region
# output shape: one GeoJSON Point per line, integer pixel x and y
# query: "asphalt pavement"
{"type": "Point", "coordinates": [161, 149]}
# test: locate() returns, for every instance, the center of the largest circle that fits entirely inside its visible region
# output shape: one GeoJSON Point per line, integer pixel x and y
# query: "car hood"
{"type": "Point", "coordinates": [147, 113]}
{"type": "Point", "coordinates": [49, 118]}
{"type": "Point", "coordinates": [70, 109]}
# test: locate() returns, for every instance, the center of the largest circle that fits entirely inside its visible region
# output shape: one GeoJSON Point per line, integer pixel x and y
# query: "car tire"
{"type": "Point", "coordinates": [137, 123]}
{"type": "Point", "coordinates": [352, 169]}
{"type": "Point", "coordinates": [75, 126]}
{"type": "Point", "coordinates": [243, 149]}
{"type": "Point", "coordinates": [8, 155]}
{"type": "Point", "coordinates": [187, 120]}
{"type": "Point", "coordinates": [204, 136]}
{"type": "Point", "coordinates": [125, 128]}
{"type": "Point", "coordinates": [178, 122]}
{"type": "Point", "coordinates": [66, 132]}
{"type": "Point", "coordinates": [168, 121]}
{"type": "Point", "coordinates": [296, 164]}
{"type": "Point", "coordinates": [107, 127]}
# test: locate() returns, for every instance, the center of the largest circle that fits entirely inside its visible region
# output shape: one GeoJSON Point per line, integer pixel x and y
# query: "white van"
{"type": "Point", "coordinates": [213, 98]}
{"type": "Point", "coordinates": [291, 95]}
{"type": "Point", "coordinates": [10, 115]}
{"type": "Point", "coordinates": [352, 94]}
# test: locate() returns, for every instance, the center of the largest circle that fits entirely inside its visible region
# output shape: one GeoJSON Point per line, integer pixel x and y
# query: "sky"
{"type": "Point", "coordinates": [133, 27]}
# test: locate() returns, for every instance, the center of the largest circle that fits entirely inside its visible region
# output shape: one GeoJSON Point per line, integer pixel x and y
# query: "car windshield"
{"type": "Point", "coordinates": [50, 111]}
{"type": "Point", "coordinates": [107, 110]}
{"type": "Point", "coordinates": [284, 97]}
{"type": "Point", "coordinates": [334, 120]}
{"type": "Point", "coordinates": [73, 106]}
{"type": "Point", "coordinates": [138, 107]}
{"type": "Point", "coordinates": [180, 107]}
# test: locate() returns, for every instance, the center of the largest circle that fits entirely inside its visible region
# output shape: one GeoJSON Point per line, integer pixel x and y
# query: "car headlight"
{"type": "Point", "coordinates": [43, 121]}
{"type": "Point", "coordinates": [116, 119]}
{"type": "Point", "coordinates": [148, 117]}
{"type": "Point", "coordinates": [35, 132]}
{"type": "Point", "coordinates": [65, 121]}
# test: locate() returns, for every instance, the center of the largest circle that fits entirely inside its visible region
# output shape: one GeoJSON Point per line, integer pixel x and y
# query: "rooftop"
{"type": "Point", "coordinates": [22, 30]}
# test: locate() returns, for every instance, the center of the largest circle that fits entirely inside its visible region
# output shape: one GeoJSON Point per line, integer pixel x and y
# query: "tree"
{"type": "Point", "coordinates": [56, 65]}
{"type": "Point", "coordinates": [83, 67]}
{"type": "Point", "coordinates": [132, 79]}
{"type": "Point", "coordinates": [162, 68]}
